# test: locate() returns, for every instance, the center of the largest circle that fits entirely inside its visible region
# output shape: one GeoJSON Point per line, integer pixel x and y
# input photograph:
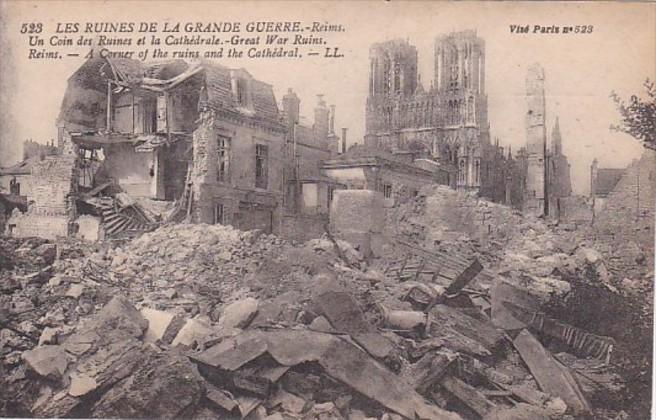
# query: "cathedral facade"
{"type": "Point", "coordinates": [447, 122]}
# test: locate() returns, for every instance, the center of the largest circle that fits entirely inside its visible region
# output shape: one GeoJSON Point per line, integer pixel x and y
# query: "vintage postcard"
{"type": "Point", "coordinates": [327, 210]}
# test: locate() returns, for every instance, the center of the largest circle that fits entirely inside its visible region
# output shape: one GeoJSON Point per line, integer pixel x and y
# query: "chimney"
{"type": "Point", "coordinates": [344, 140]}
{"type": "Point", "coordinates": [331, 129]}
{"type": "Point", "coordinates": [291, 105]}
{"type": "Point", "coordinates": [321, 119]}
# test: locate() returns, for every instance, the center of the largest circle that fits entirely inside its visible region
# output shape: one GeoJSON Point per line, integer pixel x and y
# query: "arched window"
{"type": "Point", "coordinates": [470, 108]}
{"type": "Point", "coordinates": [372, 72]}
{"type": "Point", "coordinates": [452, 112]}
{"type": "Point", "coordinates": [397, 77]}
{"type": "Point", "coordinates": [386, 76]}
{"type": "Point", "coordinates": [477, 171]}
{"type": "Point", "coordinates": [461, 171]}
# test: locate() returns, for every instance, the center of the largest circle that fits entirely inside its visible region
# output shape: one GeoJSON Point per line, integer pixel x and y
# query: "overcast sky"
{"type": "Point", "coordinates": [581, 70]}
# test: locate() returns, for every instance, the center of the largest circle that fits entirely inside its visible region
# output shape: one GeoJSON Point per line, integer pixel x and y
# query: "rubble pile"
{"type": "Point", "coordinates": [441, 214]}
{"type": "Point", "coordinates": [574, 277]}
{"type": "Point", "coordinates": [184, 261]}
{"type": "Point", "coordinates": [197, 321]}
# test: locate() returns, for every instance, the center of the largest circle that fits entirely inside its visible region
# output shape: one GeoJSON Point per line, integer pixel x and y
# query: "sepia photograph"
{"type": "Point", "coordinates": [361, 210]}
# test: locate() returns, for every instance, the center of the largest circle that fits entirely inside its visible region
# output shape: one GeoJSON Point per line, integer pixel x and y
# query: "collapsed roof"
{"type": "Point", "coordinates": [84, 105]}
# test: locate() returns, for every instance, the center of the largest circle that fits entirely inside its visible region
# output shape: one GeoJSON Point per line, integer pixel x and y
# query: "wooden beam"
{"type": "Point", "coordinates": [465, 277]}
{"type": "Point", "coordinates": [429, 371]}
{"type": "Point", "coordinates": [109, 106]}
{"type": "Point", "coordinates": [167, 104]}
{"type": "Point", "coordinates": [468, 395]}
{"type": "Point", "coordinates": [451, 324]}
{"type": "Point", "coordinates": [133, 116]}
{"type": "Point", "coordinates": [553, 377]}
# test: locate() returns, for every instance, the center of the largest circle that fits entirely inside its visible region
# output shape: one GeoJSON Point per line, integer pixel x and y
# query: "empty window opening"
{"type": "Point", "coordinates": [223, 157]}
{"type": "Point", "coordinates": [261, 166]}
{"type": "Point", "coordinates": [219, 215]}
{"type": "Point", "coordinates": [387, 190]}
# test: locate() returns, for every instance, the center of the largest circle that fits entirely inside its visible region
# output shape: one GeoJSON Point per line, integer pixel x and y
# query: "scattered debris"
{"type": "Point", "coordinates": [202, 321]}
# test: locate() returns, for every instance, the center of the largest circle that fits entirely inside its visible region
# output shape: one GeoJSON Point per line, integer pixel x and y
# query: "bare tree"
{"type": "Point", "coordinates": [638, 115]}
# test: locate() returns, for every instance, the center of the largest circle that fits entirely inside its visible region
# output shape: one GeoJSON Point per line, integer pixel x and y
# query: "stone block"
{"type": "Point", "coordinates": [239, 314]}
{"type": "Point", "coordinates": [360, 241]}
{"type": "Point", "coordinates": [49, 335]}
{"type": "Point", "coordinates": [357, 211]}
{"type": "Point", "coordinates": [158, 322]}
{"type": "Point", "coordinates": [81, 384]}
{"type": "Point", "coordinates": [119, 314]}
{"type": "Point", "coordinates": [164, 386]}
{"type": "Point", "coordinates": [88, 228]}
{"type": "Point", "coordinates": [47, 361]}
{"type": "Point", "coordinates": [588, 255]}
{"type": "Point", "coordinates": [75, 291]}
{"type": "Point", "coordinates": [193, 331]}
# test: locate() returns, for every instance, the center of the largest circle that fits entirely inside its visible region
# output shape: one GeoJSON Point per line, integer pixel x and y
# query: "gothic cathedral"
{"type": "Point", "coordinates": [448, 122]}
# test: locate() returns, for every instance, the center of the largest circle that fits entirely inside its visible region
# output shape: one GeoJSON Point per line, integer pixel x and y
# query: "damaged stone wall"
{"type": "Point", "coordinates": [634, 193]}
{"type": "Point", "coordinates": [403, 185]}
{"type": "Point", "coordinates": [358, 216]}
{"type": "Point", "coordinates": [25, 182]}
{"type": "Point", "coordinates": [628, 211]}
{"type": "Point", "coordinates": [136, 172]}
{"type": "Point", "coordinates": [309, 159]}
{"type": "Point", "coordinates": [299, 227]}
{"type": "Point", "coordinates": [576, 209]}
{"type": "Point", "coordinates": [54, 192]}
{"type": "Point", "coordinates": [441, 214]}
{"type": "Point", "coordinates": [89, 228]}
{"type": "Point", "coordinates": [244, 206]}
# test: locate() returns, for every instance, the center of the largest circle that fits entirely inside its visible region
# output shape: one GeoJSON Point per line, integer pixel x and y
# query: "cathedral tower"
{"type": "Point", "coordinates": [460, 86]}
{"type": "Point", "coordinates": [559, 182]}
{"type": "Point", "coordinates": [556, 140]}
{"type": "Point", "coordinates": [460, 78]}
{"type": "Point", "coordinates": [447, 122]}
{"type": "Point", "coordinates": [536, 143]}
{"type": "Point", "coordinates": [392, 76]}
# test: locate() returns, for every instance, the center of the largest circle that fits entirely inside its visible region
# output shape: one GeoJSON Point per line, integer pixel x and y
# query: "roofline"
{"type": "Point", "coordinates": [16, 172]}
{"type": "Point", "coordinates": [375, 161]}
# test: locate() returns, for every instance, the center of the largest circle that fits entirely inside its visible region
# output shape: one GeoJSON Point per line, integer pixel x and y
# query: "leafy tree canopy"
{"type": "Point", "coordinates": [638, 115]}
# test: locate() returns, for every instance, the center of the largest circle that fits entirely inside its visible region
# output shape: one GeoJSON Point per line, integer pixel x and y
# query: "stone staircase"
{"type": "Point", "coordinates": [121, 221]}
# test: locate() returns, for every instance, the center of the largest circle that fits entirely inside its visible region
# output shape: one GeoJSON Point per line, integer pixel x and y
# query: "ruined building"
{"type": "Point", "coordinates": [52, 209]}
{"type": "Point", "coordinates": [149, 143]}
{"type": "Point", "coordinates": [447, 122]}
{"type": "Point", "coordinates": [622, 195]}
{"type": "Point", "coordinates": [32, 148]}
{"type": "Point", "coordinates": [206, 136]}
{"type": "Point", "coordinates": [308, 192]}
{"type": "Point", "coordinates": [602, 182]}
{"type": "Point", "coordinates": [16, 186]}
{"type": "Point", "coordinates": [16, 179]}
{"type": "Point", "coordinates": [547, 172]}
